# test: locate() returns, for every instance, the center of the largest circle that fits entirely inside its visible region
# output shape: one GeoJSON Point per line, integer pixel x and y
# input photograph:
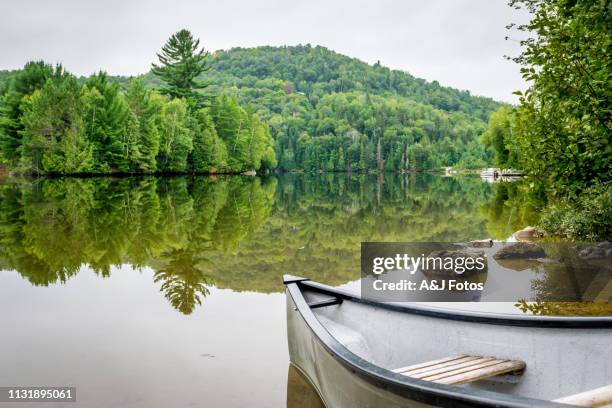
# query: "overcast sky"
{"type": "Point", "coordinates": [460, 43]}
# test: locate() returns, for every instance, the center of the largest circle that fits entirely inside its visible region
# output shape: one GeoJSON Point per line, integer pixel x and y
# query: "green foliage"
{"type": "Point", "coordinates": [341, 102]}
{"type": "Point", "coordinates": [587, 218]}
{"type": "Point", "coordinates": [317, 71]}
{"type": "Point", "coordinates": [53, 129]}
{"type": "Point", "coordinates": [560, 133]}
{"type": "Point", "coordinates": [144, 112]}
{"type": "Point", "coordinates": [347, 103]}
{"type": "Point", "coordinates": [181, 62]}
{"type": "Point", "coordinates": [248, 141]}
{"type": "Point", "coordinates": [499, 137]}
{"type": "Point", "coordinates": [209, 151]}
{"type": "Point", "coordinates": [108, 124]}
{"type": "Point", "coordinates": [64, 128]}
{"type": "Point", "coordinates": [563, 124]}
{"type": "Point", "coordinates": [325, 112]}
{"type": "Point", "coordinates": [176, 141]}
{"type": "Point", "coordinates": [21, 84]}
{"type": "Point", "coordinates": [372, 132]}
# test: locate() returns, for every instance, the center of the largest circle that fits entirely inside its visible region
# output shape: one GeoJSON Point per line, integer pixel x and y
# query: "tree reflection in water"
{"type": "Point", "coordinates": [234, 232]}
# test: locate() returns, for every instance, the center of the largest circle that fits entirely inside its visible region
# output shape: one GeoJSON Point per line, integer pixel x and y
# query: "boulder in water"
{"type": "Point", "coordinates": [527, 234]}
{"type": "Point", "coordinates": [520, 250]}
{"type": "Point", "coordinates": [481, 243]}
{"type": "Point", "coordinates": [602, 250]}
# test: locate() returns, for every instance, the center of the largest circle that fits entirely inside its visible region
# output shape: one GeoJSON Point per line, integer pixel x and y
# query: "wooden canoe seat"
{"type": "Point", "coordinates": [595, 398]}
{"type": "Point", "coordinates": [462, 369]}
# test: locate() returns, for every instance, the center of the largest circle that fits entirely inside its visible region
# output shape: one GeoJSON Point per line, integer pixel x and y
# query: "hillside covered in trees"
{"type": "Point", "coordinates": [329, 112]}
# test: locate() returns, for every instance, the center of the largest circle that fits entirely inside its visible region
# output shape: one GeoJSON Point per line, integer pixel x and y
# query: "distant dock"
{"type": "Point", "coordinates": [493, 174]}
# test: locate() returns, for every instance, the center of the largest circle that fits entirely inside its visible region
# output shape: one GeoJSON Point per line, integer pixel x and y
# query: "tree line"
{"type": "Point", "coordinates": [325, 111]}
{"type": "Point", "coordinates": [52, 123]}
{"type": "Point", "coordinates": [328, 112]}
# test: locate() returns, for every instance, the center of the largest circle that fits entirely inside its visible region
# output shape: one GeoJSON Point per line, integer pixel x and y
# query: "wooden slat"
{"type": "Point", "coordinates": [593, 398]}
{"type": "Point", "coordinates": [475, 367]}
{"type": "Point", "coordinates": [427, 364]}
{"type": "Point", "coordinates": [456, 369]}
{"type": "Point", "coordinates": [441, 366]}
{"type": "Point", "coordinates": [482, 373]}
{"type": "Point", "coordinates": [461, 369]}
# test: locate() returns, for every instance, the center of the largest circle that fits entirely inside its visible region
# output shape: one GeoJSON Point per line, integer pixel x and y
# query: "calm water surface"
{"type": "Point", "coordinates": [158, 292]}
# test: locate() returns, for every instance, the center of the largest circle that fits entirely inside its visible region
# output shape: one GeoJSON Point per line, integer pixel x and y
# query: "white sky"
{"type": "Point", "coordinates": [460, 43]}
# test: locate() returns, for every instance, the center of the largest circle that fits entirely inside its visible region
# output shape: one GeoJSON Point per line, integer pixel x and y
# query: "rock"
{"type": "Point", "coordinates": [602, 250]}
{"type": "Point", "coordinates": [461, 267]}
{"type": "Point", "coordinates": [527, 234]}
{"type": "Point", "coordinates": [520, 250]}
{"type": "Point", "coordinates": [605, 245]}
{"type": "Point", "coordinates": [481, 243]}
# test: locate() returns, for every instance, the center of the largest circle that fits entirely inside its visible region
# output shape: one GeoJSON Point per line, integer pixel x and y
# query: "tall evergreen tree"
{"type": "Point", "coordinates": [145, 110]}
{"type": "Point", "coordinates": [107, 123]}
{"type": "Point", "coordinates": [209, 152]}
{"type": "Point", "coordinates": [181, 63]}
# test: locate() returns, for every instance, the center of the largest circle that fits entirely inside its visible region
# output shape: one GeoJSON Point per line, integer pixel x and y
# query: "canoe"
{"type": "Point", "coordinates": [352, 351]}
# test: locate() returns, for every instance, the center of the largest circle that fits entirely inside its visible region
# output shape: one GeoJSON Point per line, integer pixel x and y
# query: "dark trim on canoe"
{"type": "Point", "coordinates": [325, 303]}
{"type": "Point", "coordinates": [570, 322]}
{"type": "Point", "coordinates": [413, 389]}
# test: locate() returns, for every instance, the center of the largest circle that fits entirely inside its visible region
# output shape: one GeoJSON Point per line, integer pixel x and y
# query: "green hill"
{"type": "Point", "coordinates": [330, 112]}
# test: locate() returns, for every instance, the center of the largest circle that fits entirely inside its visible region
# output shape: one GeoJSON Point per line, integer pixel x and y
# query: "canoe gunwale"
{"type": "Point", "coordinates": [568, 322]}
{"type": "Point", "coordinates": [413, 389]}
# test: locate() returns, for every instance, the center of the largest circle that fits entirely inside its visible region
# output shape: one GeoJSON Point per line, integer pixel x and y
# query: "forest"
{"type": "Point", "coordinates": [330, 112]}
{"type": "Point", "coordinates": [53, 123]}
{"type": "Point", "coordinates": [325, 112]}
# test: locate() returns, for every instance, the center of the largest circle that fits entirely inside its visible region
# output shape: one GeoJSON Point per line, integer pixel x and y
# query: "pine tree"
{"type": "Point", "coordinates": [209, 152]}
{"type": "Point", "coordinates": [181, 63]}
{"type": "Point", "coordinates": [145, 107]}
{"type": "Point", "coordinates": [107, 118]}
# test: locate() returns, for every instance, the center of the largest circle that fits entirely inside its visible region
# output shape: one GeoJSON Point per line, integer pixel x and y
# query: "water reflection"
{"type": "Point", "coordinates": [300, 393]}
{"type": "Point", "coordinates": [241, 233]}
{"type": "Point", "coordinates": [52, 228]}
{"type": "Point", "coordinates": [512, 206]}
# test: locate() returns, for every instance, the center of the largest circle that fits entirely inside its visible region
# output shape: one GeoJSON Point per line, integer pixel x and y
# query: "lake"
{"type": "Point", "coordinates": [157, 292]}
